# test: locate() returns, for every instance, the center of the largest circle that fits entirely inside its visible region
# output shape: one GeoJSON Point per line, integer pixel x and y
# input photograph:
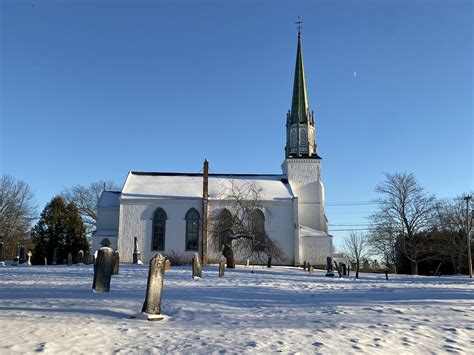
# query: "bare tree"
{"type": "Point", "coordinates": [384, 242]}
{"type": "Point", "coordinates": [18, 209]}
{"type": "Point", "coordinates": [407, 210]}
{"type": "Point", "coordinates": [240, 227]}
{"type": "Point", "coordinates": [85, 198]}
{"type": "Point", "coordinates": [356, 249]}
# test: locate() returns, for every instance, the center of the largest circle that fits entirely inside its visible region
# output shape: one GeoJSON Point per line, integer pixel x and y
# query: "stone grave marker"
{"type": "Point", "coordinates": [45, 261]}
{"type": "Point", "coordinates": [103, 270]}
{"type": "Point", "coordinates": [80, 257]}
{"type": "Point", "coordinates": [69, 259]}
{"type": "Point", "coordinates": [22, 255]}
{"type": "Point", "coordinates": [167, 265]}
{"type": "Point", "coordinates": [30, 254]}
{"type": "Point", "coordinates": [55, 256]}
{"type": "Point", "coordinates": [269, 262]}
{"type": "Point", "coordinates": [304, 265]}
{"type": "Point", "coordinates": [197, 269]}
{"type": "Point", "coordinates": [330, 272]}
{"type": "Point", "coordinates": [310, 269]}
{"type": "Point", "coordinates": [2, 251]}
{"type": "Point", "coordinates": [116, 263]}
{"type": "Point", "coordinates": [221, 268]}
{"type": "Point", "coordinates": [154, 289]}
{"type": "Point", "coordinates": [136, 254]}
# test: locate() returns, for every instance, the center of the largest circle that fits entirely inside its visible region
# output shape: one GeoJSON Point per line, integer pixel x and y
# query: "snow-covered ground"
{"type": "Point", "coordinates": [53, 309]}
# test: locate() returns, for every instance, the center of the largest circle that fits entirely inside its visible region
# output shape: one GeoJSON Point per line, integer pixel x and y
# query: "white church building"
{"type": "Point", "coordinates": [171, 213]}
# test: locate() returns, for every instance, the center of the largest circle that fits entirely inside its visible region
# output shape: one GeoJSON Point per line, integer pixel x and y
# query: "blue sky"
{"type": "Point", "coordinates": [93, 89]}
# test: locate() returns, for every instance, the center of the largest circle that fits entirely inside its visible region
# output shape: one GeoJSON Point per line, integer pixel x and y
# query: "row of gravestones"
{"type": "Point", "coordinates": [342, 271]}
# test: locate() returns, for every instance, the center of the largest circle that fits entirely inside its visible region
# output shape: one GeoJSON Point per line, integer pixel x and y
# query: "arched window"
{"type": "Point", "coordinates": [159, 229]}
{"type": "Point", "coordinates": [105, 243]}
{"type": "Point", "coordinates": [224, 227]}
{"type": "Point", "coordinates": [258, 227]}
{"type": "Point", "coordinates": [192, 230]}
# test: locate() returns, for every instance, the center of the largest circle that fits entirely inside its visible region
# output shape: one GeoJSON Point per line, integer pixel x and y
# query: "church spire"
{"type": "Point", "coordinates": [299, 104]}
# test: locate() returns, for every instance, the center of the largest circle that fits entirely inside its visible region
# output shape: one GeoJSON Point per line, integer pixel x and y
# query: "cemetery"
{"type": "Point", "coordinates": [195, 308]}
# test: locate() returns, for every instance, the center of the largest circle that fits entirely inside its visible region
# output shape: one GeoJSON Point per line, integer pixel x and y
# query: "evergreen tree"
{"type": "Point", "coordinates": [60, 226]}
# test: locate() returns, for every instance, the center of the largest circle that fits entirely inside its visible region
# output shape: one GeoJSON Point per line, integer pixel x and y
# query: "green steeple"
{"type": "Point", "coordinates": [299, 104]}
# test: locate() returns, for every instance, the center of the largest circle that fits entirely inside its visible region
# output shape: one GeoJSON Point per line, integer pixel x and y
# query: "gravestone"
{"type": "Point", "coordinates": [167, 265]}
{"type": "Point", "coordinates": [87, 258]}
{"type": "Point", "coordinates": [45, 261]}
{"type": "Point", "coordinates": [2, 251]}
{"type": "Point", "coordinates": [269, 262]}
{"type": "Point", "coordinates": [116, 263]}
{"type": "Point", "coordinates": [221, 268]}
{"type": "Point", "coordinates": [55, 256]}
{"type": "Point", "coordinates": [154, 288]}
{"type": "Point", "coordinates": [248, 262]}
{"type": "Point", "coordinates": [197, 269]}
{"type": "Point", "coordinates": [344, 269]}
{"type": "Point", "coordinates": [103, 270]}
{"type": "Point", "coordinates": [310, 269]}
{"type": "Point", "coordinates": [304, 265]}
{"type": "Point", "coordinates": [136, 253]}
{"type": "Point", "coordinates": [69, 259]}
{"type": "Point", "coordinates": [80, 257]}
{"type": "Point", "coordinates": [22, 255]}
{"type": "Point", "coordinates": [330, 272]}
{"type": "Point", "coordinates": [30, 254]}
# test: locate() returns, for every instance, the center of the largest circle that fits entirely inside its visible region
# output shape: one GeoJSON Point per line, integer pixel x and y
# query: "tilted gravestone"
{"type": "Point", "coordinates": [136, 253]}
{"type": "Point", "coordinates": [154, 288]}
{"type": "Point", "coordinates": [103, 270]}
{"type": "Point", "coordinates": [116, 263]}
{"type": "Point", "coordinates": [197, 269]}
{"type": "Point", "coordinates": [22, 255]}
{"type": "Point", "coordinates": [221, 268]}
{"type": "Point", "coordinates": [69, 259]}
{"type": "Point", "coordinates": [167, 265]}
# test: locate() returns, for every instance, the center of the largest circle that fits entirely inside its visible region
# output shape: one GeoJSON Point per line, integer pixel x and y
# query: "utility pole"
{"type": "Point", "coordinates": [468, 235]}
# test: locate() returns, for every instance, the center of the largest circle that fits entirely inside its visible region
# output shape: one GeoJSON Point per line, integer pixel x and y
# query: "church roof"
{"type": "Point", "coordinates": [109, 199]}
{"type": "Point", "coordinates": [184, 186]}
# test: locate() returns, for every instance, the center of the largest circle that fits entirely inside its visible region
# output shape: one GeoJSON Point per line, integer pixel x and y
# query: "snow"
{"type": "Point", "coordinates": [251, 310]}
{"type": "Point", "coordinates": [162, 185]}
{"type": "Point", "coordinates": [109, 199]}
{"type": "Point", "coordinates": [309, 232]}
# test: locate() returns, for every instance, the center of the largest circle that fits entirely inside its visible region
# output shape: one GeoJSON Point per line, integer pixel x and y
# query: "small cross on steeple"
{"type": "Point", "coordinates": [299, 25]}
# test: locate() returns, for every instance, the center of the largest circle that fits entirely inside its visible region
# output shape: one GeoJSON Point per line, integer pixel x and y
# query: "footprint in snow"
{"type": "Point", "coordinates": [317, 344]}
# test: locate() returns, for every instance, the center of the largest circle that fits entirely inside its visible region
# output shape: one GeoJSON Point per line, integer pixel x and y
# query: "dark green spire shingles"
{"type": "Point", "coordinates": [299, 104]}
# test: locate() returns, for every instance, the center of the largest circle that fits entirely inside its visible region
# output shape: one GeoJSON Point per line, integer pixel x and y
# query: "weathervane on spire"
{"type": "Point", "coordinates": [299, 25]}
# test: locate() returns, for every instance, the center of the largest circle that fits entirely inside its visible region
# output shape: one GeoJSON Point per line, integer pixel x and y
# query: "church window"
{"type": "Point", "coordinates": [224, 228]}
{"type": "Point", "coordinates": [304, 137]}
{"type": "Point", "coordinates": [258, 228]}
{"type": "Point", "coordinates": [159, 228]}
{"type": "Point", "coordinates": [192, 230]}
{"type": "Point", "coordinates": [293, 138]}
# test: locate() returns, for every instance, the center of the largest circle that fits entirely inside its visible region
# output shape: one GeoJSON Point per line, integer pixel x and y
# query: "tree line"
{"type": "Point", "coordinates": [412, 231]}
{"type": "Point", "coordinates": [65, 224]}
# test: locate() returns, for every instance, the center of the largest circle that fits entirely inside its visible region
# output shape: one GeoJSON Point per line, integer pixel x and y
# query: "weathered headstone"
{"type": "Point", "coordinates": [304, 265]}
{"type": "Point", "coordinates": [197, 269]}
{"type": "Point", "coordinates": [248, 262]}
{"type": "Point", "coordinates": [310, 269]}
{"type": "Point", "coordinates": [30, 254]}
{"type": "Point", "coordinates": [103, 270]}
{"type": "Point", "coordinates": [136, 253]}
{"type": "Point", "coordinates": [329, 272]}
{"type": "Point", "coordinates": [344, 269]}
{"type": "Point", "coordinates": [2, 251]}
{"type": "Point", "coordinates": [69, 259]}
{"type": "Point", "coordinates": [229, 256]}
{"type": "Point", "coordinates": [80, 257]}
{"type": "Point", "coordinates": [116, 263]}
{"type": "Point", "coordinates": [55, 256]}
{"type": "Point", "coordinates": [269, 262]}
{"type": "Point", "coordinates": [221, 268]}
{"type": "Point", "coordinates": [154, 289]}
{"type": "Point", "coordinates": [45, 261]}
{"type": "Point", "coordinates": [167, 265]}
{"type": "Point", "coordinates": [22, 255]}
